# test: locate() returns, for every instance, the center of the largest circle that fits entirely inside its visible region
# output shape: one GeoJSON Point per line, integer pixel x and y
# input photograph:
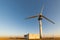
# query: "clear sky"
{"type": "Point", "coordinates": [13, 13]}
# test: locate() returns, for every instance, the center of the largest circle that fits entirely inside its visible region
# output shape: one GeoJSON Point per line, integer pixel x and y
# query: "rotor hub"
{"type": "Point", "coordinates": [40, 17]}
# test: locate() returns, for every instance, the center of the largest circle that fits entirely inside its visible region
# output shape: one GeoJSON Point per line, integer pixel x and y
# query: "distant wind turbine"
{"type": "Point", "coordinates": [40, 16]}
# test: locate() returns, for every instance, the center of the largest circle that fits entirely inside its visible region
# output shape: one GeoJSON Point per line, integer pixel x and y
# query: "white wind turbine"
{"type": "Point", "coordinates": [40, 16]}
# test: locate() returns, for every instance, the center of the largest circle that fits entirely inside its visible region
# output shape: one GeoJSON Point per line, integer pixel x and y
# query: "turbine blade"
{"type": "Point", "coordinates": [48, 19]}
{"type": "Point", "coordinates": [42, 9]}
{"type": "Point", "coordinates": [31, 17]}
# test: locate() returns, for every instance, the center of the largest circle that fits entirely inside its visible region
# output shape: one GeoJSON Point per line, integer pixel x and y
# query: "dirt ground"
{"type": "Point", "coordinates": [29, 39]}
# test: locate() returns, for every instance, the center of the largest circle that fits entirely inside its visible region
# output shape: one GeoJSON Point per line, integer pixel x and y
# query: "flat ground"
{"type": "Point", "coordinates": [57, 38]}
{"type": "Point", "coordinates": [29, 39]}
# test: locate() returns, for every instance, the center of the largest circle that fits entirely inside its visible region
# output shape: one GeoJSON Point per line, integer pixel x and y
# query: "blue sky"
{"type": "Point", "coordinates": [13, 13]}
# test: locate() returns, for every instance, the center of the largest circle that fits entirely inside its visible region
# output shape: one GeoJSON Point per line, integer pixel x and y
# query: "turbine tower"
{"type": "Point", "coordinates": [40, 17]}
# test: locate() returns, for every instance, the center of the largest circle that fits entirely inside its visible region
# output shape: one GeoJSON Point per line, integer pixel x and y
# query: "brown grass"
{"type": "Point", "coordinates": [57, 38]}
{"type": "Point", "coordinates": [5, 38]}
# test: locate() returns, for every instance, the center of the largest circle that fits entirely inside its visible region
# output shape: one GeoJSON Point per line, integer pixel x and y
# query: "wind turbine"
{"type": "Point", "coordinates": [40, 17]}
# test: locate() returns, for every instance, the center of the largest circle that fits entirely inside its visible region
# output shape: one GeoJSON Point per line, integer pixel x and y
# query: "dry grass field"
{"type": "Point", "coordinates": [6, 38]}
{"type": "Point", "coordinates": [57, 38]}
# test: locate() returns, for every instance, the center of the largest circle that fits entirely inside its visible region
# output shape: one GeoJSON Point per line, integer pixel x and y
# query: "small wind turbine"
{"type": "Point", "coordinates": [40, 16]}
